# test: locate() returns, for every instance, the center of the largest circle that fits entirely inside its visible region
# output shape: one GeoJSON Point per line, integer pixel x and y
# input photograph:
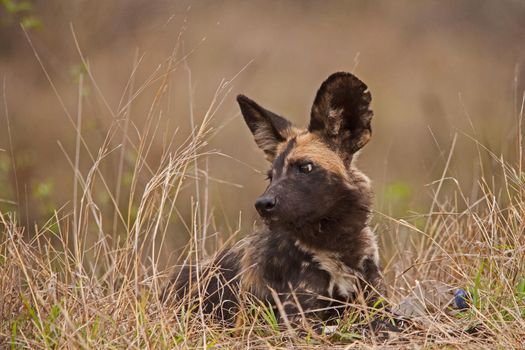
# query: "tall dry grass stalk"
{"type": "Point", "coordinates": [80, 282]}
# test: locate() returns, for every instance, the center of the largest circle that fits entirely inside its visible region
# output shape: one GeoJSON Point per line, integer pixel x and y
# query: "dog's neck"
{"type": "Point", "coordinates": [340, 233]}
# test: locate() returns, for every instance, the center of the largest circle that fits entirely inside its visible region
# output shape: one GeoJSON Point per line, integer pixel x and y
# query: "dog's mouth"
{"type": "Point", "coordinates": [272, 220]}
{"type": "Point", "coordinates": [268, 219]}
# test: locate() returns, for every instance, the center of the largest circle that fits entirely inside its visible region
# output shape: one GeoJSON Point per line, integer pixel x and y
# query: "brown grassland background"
{"type": "Point", "coordinates": [123, 152]}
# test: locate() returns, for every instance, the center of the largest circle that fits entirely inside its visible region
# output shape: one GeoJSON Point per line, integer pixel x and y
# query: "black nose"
{"type": "Point", "coordinates": [265, 205]}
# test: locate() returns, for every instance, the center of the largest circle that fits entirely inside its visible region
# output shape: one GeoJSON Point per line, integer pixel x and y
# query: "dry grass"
{"type": "Point", "coordinates": [64, 289]}
{"type": "Point", "coordinates": [83, 282]}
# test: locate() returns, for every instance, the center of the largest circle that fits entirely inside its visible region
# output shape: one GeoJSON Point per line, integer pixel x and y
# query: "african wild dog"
{"type": "Point", "coordinates": [315, 246]}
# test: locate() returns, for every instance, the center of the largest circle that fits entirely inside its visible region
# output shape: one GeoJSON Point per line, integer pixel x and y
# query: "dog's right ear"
{"type": "Point", "coordinates": [267, 128]}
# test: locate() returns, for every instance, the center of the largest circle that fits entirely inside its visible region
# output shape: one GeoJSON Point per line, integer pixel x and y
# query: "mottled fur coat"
{"type": "Point", "coordinates": [315, 252]}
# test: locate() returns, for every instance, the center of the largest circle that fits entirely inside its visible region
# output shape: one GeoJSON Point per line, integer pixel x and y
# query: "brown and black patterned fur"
{"type": "Point", "coordinates": [315, 246]}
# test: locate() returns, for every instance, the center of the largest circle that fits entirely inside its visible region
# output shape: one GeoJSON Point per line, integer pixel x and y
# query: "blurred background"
{"type": "Point", "coordinates": [437, 70]}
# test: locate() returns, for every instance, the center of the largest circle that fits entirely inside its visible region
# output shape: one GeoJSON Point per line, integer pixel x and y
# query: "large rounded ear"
{"type": "Point", "coordinates": [267, 128]}
{"type": "Point", "coordinates": [341, 113]}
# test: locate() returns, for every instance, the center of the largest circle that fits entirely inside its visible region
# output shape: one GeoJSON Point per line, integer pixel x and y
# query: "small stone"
{"type": "Point", "coordinates": [461, 299]}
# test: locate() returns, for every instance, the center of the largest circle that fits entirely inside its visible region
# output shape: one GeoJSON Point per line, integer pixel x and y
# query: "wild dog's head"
{"type": "Point", "coordinates": [312, 178]}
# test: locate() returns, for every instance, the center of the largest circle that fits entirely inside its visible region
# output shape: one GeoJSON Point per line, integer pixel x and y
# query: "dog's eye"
{"type": "Point", "coordinates": [306, 168]}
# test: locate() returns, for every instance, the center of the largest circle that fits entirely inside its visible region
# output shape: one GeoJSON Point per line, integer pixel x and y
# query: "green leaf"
{"type": "Point", "coordinates": [13, 335]}
{"type": "Point", "coordinates": [43, 189]}
{"type": "Point", "coordinates": [30, 22]}
{"type": "Point", "coordinates": [520, 289]}
{"type": "Point", "coordinates": [398, 191]}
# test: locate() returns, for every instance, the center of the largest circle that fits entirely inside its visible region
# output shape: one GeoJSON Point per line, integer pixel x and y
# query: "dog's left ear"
{"type": "Point", "coordinates": [341, 113]}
